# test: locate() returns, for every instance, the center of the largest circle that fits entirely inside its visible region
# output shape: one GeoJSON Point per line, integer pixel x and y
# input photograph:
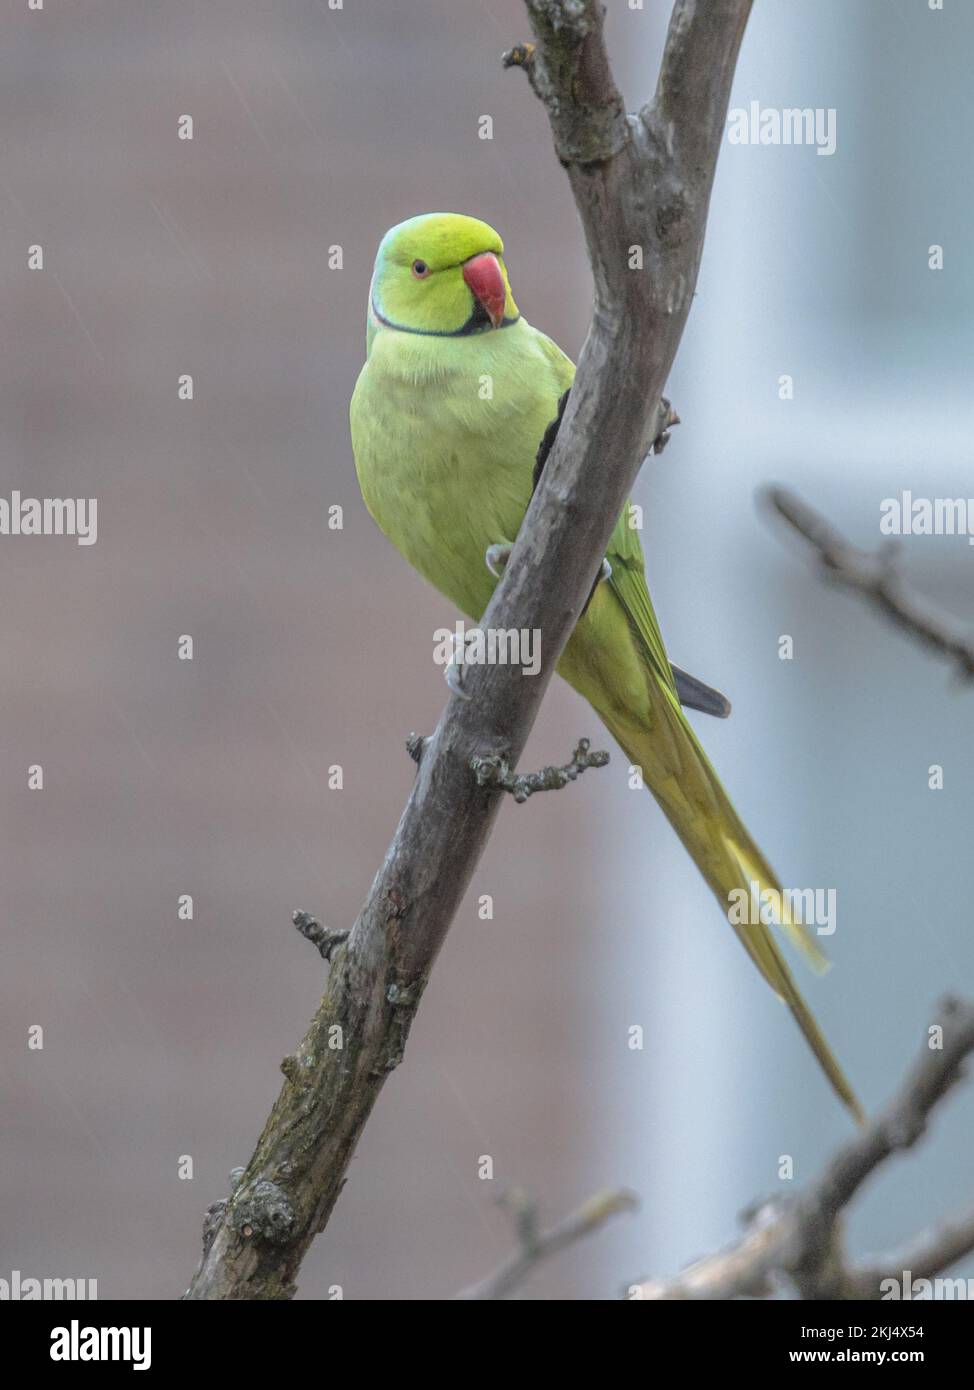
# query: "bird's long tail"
{"type": "Point", "coordinates": [701, 813]}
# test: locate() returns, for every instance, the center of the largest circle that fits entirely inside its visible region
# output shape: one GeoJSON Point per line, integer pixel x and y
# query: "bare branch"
{"type": "Point", "coordinates": [695, 77]}
{"type": "Point", "coordinates": [926, 1257]}
{"type": "Point", "coordinates": [875, 579]}
{"type": "Point", "coordinates": [569, 71]}
{"type": "Point", "coordinates": [311, 929]}
{"type": "Point", "coordinates": [494, 772]}
{"type": "Point", "coordinates": [800, 1238]}
{"type": "Point", "coordinates": [637, 182]}
{"type": "Point", "coordinates": [536, 1246]}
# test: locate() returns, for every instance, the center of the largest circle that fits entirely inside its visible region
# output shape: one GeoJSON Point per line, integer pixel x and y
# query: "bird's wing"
{"type": "Point", "coordinates": [625, 555]}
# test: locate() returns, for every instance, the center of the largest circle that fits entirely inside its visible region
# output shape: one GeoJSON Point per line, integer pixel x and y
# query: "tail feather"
{"type": "Point", "coordinates": [754, 868]}
{"type": "Point", "coordinates": [701, 813]}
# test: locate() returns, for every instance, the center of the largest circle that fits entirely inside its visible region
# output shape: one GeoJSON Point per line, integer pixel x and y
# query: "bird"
{"type": "Point", "coordinates": [457, 393]}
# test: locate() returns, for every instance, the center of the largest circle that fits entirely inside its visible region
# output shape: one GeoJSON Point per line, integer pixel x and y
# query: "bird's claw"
{"type": "Point", "coordinates": [453, 671]}
{"type": "Point", "coordinates": [670, 418]}
{"type": "Point", "coordinates": [605, 572]}
{"type": "Point", "coordinates": [453, 675]}
{"type": "Point", "coordinates": [496, 558]}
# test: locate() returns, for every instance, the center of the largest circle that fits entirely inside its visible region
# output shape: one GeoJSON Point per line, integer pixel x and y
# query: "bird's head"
{"type": "Point", "coordinates": [441, 274]}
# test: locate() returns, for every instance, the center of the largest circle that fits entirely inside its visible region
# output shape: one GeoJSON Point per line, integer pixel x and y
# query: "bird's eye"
{"type": "Point", "coordinates": [420, 270]}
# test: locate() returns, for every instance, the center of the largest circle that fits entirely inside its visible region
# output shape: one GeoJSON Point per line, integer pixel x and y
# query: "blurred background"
{"type": "Point", "coordinates": [316, 127]}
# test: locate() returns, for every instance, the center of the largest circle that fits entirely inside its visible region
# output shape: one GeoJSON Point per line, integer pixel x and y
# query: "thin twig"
{"type": "Point", "coordinates": [536, 1245]}
{"type": "Point", "coordinates": [325, 938]}
{"type": "Point", "coordinates": [519, 56]}
{"type": "Point", "coordinates": [493, 771]}
{"type": "Point", "coordinates": [874, 577]}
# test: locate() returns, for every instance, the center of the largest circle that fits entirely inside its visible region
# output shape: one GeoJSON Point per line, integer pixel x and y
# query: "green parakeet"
{"type": "Point", "coordinates": [446, 469]}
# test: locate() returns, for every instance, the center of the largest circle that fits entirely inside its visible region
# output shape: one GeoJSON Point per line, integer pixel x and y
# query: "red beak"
{"type": "Point", "coordinates": [483, 275]}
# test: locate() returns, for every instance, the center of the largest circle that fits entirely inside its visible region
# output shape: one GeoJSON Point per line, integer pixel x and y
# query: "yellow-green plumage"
{"type": "Point", "coordinates": [446, 420]}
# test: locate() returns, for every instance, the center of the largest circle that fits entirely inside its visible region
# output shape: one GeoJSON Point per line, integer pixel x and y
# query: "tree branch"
{"type": "Point", "coordinates": [875, 579]}
{"type": "Point", "coordinates": [926, 1257]}
{"type": "Point", "coordinates": [494, 772]}
{"type": "Point", "coordinates": [637, 181]}
{"type": "Point", "coordinates": [800, 1237]}
{"type": "Point", "coordinates": [695, 76]}
{"type": "Point", "coordinates": [535, 1245]}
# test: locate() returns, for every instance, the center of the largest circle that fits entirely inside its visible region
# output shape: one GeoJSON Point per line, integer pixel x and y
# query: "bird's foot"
{"type": "Point", "coordinates": [496, 558]}
{"type": "Point", "coordinates": [670, 418]}
{"type": "Point", "coordinates": [605, 572]}
{"type": "Point", "coordinates": [454, 669]}
{"type": "Point", "coordinates": [667, 418]}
